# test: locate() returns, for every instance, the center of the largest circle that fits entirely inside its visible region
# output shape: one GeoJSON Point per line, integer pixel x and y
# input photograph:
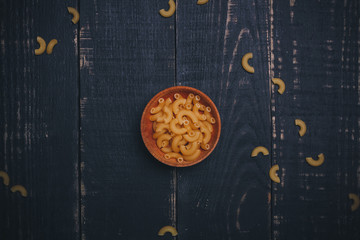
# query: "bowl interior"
{"type": "Point", "coordinates": [147, 131]}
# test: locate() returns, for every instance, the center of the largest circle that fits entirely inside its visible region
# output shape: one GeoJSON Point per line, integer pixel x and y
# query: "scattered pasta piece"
{"type": "Point", "coordinates": [259, 149]}
{"type": "Point", "coordinates": [168, 229]}
{"type": "Point", "coordinates": [273, 175]}
{"type": "Point", "coordinates": [75, 13]}
{"type": "Point", "coordinates": [5, 178]}
{"type": "Point", "coordinates": [169, 12]}
{"type": "Point", "coordinates": [302, 126]}
{"type": "Point", "coordinates": [51, 45]}
{"type": "Point", "coordinates": [202, 2]}
{"type": "Point", "coordinates": [316, 163]}
{"type": "Point", "coordinates": [19, 188]}
{"type": "Point", "coordinates": [356, 201]}
{"type": "Point", "coordinates": [42, 47]}
{"type": "Point", "coordinates": [280, 83]}
{"type": "Point", "coordinates": [245, 63]}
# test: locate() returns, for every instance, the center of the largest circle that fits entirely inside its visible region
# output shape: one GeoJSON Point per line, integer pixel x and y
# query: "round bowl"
{"type": "Point", "coordinates": [147, 130]}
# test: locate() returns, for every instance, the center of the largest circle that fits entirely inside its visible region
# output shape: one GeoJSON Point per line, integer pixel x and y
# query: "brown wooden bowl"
{"type": "Point", "coordinates": [147, 130]}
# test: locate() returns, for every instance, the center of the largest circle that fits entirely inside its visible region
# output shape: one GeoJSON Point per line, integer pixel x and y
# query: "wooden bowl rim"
{"type": "Point", "coordinates": [182, 89]}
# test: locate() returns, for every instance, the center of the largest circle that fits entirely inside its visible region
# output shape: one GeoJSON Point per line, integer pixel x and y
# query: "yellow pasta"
{"type": "Point", "coordinates": [169, 12]}
{"type": "Point", "coordinates": [196, 99]}
{"type": "Point", "coordinates": [188, 102]}
{"type": "Point", "coordinates": [208, 126]}
{"type": "Point", "coordinates": [356, 201]}
{"type": "Point", "coordinates": [179, 132]}
{"type": "Point", "coordinates": [161, 139]}
{"type": "Point", "coordinates": [316, 163]}
{"type": "Point", "coordinates": [194, 126]}
{"type": "Point", "coordinates": [19, 188]}
{"type": "Point", "coordinates": [175, 143]}
{"type": "Point", "coordinates": [177, 96]}
{"type": "Point", "coordinates": [182, 142]}
{"type": "Point", "coordinates": [175, 129]}
{"type": "Point", "coordinates": [196, 112]}
{"type": "Point", "coordinates": [208, 115]}
{"type": "Point", "coordinates": [177, 103]}
{"type": "Point", "coordinates": [202, 2]}
{"type": "Point", "coordinates": [166, 149]}
{"type": "Point", "coordinates": [169, 115]}
{"type": "Point", "coordinates": [186, 151]}
{"type": "Point", "coordinates": [168, 229]}
{"type": "Point", "coordinates": [259, 149]}
{"type": "Point", "coordinates": [51, 45]}
{"type": "Point", "coordinates": [205, 146]}
{"type": "Point", "coordinates": [158, 134]}
{"type": "Point", "coordinates": [75, 13]}
{"type": "Point", "coordinates": [273, 174]}
{"type": "Point", "coordinates": [280, 83]}
{"type": "Point", "coordinates": [207, 135]}
{"type": "Point", "coordinates": [245, 63]}
{"type": "Point", "coordinates": [161, 126]}
{"type": "Point", "coordinates": [42, 47]}
{"type": "Point", "coordinates": [193, 138]}
{"type": "Point", "coordinates": [156, 116]}
{"type": "Point", "coordinates": [187, 113]}
{"type": "Point", "coordinates": [159, 107]}
{"type": "Point", "coordinates": [5, 177]}
{"type": "Point", "coordinates": [193, 157]}
{"type": "Point", "coordinates": [302, 125]}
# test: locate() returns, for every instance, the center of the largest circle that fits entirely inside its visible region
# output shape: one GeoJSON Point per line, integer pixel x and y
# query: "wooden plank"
{"type": "Point", "coordinates": [127, 56]}
{"type": "Point", "coordinates": [38, 121]}
{"type": "Point", "coordinates": [227, 195]}
{"type": "Point", "coordinates": [316, 52]}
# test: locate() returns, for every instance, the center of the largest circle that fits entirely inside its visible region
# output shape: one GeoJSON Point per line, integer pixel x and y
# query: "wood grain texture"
{"type": "Point", "coordinates": [227, 195]}
{"type": "Point", "coordinates": [38, 121]}
{"type": "Point", "coordinates": [127, 56]}
{"type": "Point", "coordinates": [316, 53]}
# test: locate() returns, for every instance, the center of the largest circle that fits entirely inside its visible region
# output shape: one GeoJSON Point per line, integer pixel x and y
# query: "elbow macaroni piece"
{"type": "Point", "coordinates": [161, 126]}
{"type": "Point", "coordinates": [196, 112]}
{"type": "Point", "coordinates": [175, 129]}
{"type": "Point", "coordinates": [208, 126]}
{"type": "Point", "coordinates": [245, 63]}
{"type": "Point", "coordinates": [191, 150]}
{"type": "Point", "coordinates": [302, 125]}
{"type": "Point", "coordinates": [202, 2]}
{"type": "Point", "coordinates": [166, 149]}
{"type": "Point", "coordinates": [42, 47]}
{"type": "Point", "coordinates": [161, 139]}
{"type": "Point", "coordinates": [159, 107]}
{"type": "Point", "coordinates": [5, 177]}
{"type": "Point", "coordinates": [168, 229]}
{"type": "Point", "coordinates": [187, 113]}
{"type": "Point", "coordinates": [51, 45]}
{"type": "Point", "coordinates": [273, 175]}
{"type": "Point", "coordinates": [259, 149]}
{"type": "Point", "coordinates": [177, 103]}
{"type": "Point", "coordinates": [280, 83]}
{"type": "Point", "coordinates": [356, 201]}
{"type": "Point", "coordinates": [316, 163]}
{"type": "Point", "coordinates": [175, 143]}
{"type": "Point", "coordinates": [189, 138]}
{"type": "Point", "coordinates": [192, 157]}
{"type": "Point", "coordinates": [182, 133]}
{"type": "Point", "coordinates": [169, 12]}
{"type": "Point", "coordinates": [19, 188]}
{"type": "Point", "coordinates": [75, 13]}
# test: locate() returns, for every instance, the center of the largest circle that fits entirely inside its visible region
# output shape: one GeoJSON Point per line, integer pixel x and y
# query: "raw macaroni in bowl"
{"type": "Point", "coordinates": [180, 126]}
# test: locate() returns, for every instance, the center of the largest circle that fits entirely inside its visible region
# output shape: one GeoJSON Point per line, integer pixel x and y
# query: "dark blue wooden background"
{"type": "Point", "coordinates": [69, 122]}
